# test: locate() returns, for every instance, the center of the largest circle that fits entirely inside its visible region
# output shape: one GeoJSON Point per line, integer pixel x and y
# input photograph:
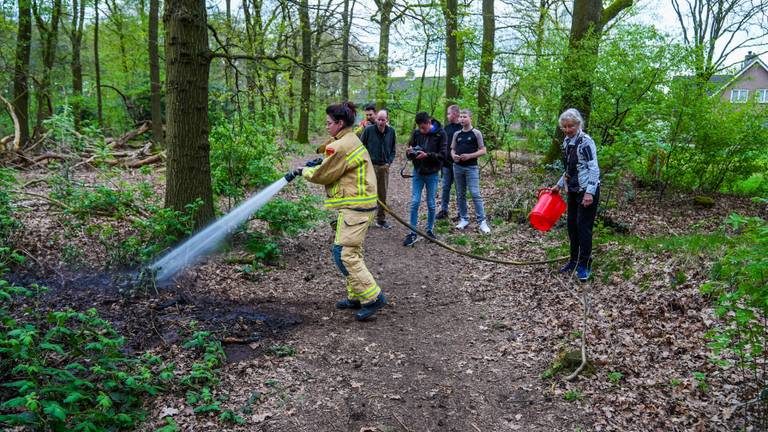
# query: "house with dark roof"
{"type": "Point", "coordinates": [404, 87]}
{"type": "Point", "coordinates": [751, 82]}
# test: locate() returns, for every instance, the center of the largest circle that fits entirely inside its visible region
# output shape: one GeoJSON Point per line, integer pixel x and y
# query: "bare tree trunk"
{"type": "Point", "coordinates": [486, 67]}
{"type": "Point", "coordinates": [347, 23]}
{"type": "Point", "coordinates": [154, 73]}
{"type": "Point", "coordinates": [589, 18]}
{"type": "Point", "coordinates": [382, 63]}
{"type": "Point", "coordinates": [420, 96]}
{"type": "Point", "coordinates": [21, 70]}
{"type": "Point", "coordinates": [97, 66]}
{"type": "Point", "coordinates": [306, 72]}
{"type": "Point", "coordinates": [49, 35]}
{"type": "Point", "coordinates": [187, 60]}
{"type": "Point", "coordinates": [76, 38]}
{"type": "Point", "coordinates": [451, 12]}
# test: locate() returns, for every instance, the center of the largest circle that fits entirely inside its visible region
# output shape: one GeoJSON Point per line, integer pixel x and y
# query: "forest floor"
{"type": "Point", "coordinates": [464, 345]}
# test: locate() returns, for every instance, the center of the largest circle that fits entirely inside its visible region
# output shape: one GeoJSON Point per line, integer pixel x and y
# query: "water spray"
{"type": "Point", "coordinates": [207, 240]}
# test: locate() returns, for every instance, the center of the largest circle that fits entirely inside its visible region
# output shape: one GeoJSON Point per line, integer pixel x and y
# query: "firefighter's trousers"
{"type": "Point", "coordinates": [351, 227]}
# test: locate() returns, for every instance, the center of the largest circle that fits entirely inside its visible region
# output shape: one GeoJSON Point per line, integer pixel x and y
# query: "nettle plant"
{"type": "Point", "coordinates": [66, 370]}
{"type": "Point", "coordinates": [738, 287]}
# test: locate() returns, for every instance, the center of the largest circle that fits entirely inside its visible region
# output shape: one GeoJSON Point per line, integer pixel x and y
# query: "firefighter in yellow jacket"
{"type": "Point", "coordinates": [347, 173]}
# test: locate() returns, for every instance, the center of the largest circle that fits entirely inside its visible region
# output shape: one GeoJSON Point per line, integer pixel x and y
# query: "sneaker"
{"type": "Point", "coordinates": [442, 214]}
{"type": "Point", "coordinates": [583, 273]}
{"type": "Point", "coordinates": [485, 228]}
{"type": "Point", "coordinates": [348, 304]}
{"type": "Point", "coordinates": [410, 239]}
{"type": "Point", "coordinates": [462, 224]}
{"type": "Point", "coordinates": [370, 309]}
{"type": "Point", "coordinates": [431, 235]}
{"type": "Point", "coordinates": [383, 224]}
{"type": "Point", "coordinates": [568, 267]}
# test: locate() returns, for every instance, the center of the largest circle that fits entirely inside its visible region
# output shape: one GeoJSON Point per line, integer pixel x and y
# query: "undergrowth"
{"type": "Point", "coordinates": [68, 371]}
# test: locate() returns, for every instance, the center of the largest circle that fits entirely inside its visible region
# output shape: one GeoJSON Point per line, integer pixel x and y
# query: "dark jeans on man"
{"type": "Point", "coordinates": [445, 198]}
{"type": "Point", "coordinates": [580, 222]}
{"type": "Point", "coordinates": [382, 181]}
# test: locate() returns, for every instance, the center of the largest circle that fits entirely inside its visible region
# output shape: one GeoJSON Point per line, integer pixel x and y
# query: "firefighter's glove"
{"type": "Point", "coordinates": [314, 162]}
{"type": "Point", "coordinates": [292, 174]}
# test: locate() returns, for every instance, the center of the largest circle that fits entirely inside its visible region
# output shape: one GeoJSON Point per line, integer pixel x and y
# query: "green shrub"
{"type": "Point", "coordinates": [738, 287]}
{"type": "Point", "coordinates": [290, 217]}
{"type": "Point", "coordinates": [243, 157]}
{"type": "Point", "coordinates": [263, 247]}
{"type": "Point", "coordinates": [8, 223]}
{"type": "Point", "coordinates": [66, 370]}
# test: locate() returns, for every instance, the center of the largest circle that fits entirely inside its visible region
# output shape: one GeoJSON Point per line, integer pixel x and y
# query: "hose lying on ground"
{"type": "Point", "coordinates": [467, 254]}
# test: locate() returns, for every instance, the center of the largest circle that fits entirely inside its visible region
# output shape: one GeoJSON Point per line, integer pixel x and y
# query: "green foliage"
{"type": "Point", "coordinates": [290, 217]}
{"type": "Point", "coordinates": [66, 370]}
{"type": "Point", "coordinates": [282, 350]}
{"type": "Point", "coordinates": [154, 228]}
{"type": "Point", "coordinates": [264, 248]}
{"type": "Point", "coordinates": [244, 155]}
{"type": "Point", "coordinates": [615, 377]}
{"type": "Point", "coordinates": [572, 395]}
{"type": "Point", "coordinates": [161, 229]}
{"type": "Point", "coordinates": [741, 300]}
{"type": "Point", "coordinates": [8, 223]}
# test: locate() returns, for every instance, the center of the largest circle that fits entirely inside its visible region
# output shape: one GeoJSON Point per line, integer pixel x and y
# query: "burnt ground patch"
{"type": "Point", "coordinates": [150, 317]}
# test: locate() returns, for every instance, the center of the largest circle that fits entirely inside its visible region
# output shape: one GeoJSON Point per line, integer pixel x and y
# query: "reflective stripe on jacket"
{"type": "Point", "coordinates": [346, 172]}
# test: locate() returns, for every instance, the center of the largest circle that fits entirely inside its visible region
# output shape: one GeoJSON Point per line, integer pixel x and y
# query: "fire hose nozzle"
{"type": "Point", "coordinates": [290, 175]}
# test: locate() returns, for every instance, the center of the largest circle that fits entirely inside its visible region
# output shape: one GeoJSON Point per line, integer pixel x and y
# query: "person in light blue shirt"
{"type": "Point", "coordinates": [582, 183]}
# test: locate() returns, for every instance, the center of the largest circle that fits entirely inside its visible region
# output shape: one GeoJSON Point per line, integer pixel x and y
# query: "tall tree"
{"type": "Point", "coordinates": [76, 67]}
{"type": "Point", "coordinates": [187, 60]}
{"type": "Point", "coordinates": [306, 72]}
{"type": "Point", "coordinates": [452, 70]}
{"type": "Point", "coordinates": [49, 35]}
{"type": "Point", "coordinates": [97, 65]}
{"type": "Point", "coordinates": [486, 66]}
{"type": "Point", "coordinates": [385, 8]}
{"type": "Point", "coordinates": [346, 18]}
{"type": "Point", "coordinates": [21, 69]}
{"type": "Point", "coordinates": [154, 73]}
{"type": "Point", "coordinates": [589, 20]}
{"type": "Point", "coordinates": [382, 62]}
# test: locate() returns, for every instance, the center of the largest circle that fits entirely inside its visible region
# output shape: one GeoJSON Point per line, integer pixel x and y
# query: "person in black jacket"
{"type": "Point", "coordinates": [379, 139]}
{"type": "Point", "coordinates": [427, 149]}
{"type": "Point", "coordinates": [451, 128]}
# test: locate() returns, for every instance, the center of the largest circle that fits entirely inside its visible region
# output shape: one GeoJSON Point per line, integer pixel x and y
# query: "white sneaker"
{"type": "Point", "coordinates": [485, 228]}
{"type": "Point", "coordinates": [462, 224]}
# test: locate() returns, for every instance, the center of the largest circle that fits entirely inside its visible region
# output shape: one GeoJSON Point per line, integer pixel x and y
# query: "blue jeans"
{"type": "Point", "coordinates": [468, 177]}
{"type": "Point", "coordinates": [418, 183]}
{"type": "Point", "coordinates": [445, 198]}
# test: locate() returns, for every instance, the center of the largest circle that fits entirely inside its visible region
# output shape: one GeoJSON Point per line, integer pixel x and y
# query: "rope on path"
{"type": "Point", "coordinates": [467, 254]}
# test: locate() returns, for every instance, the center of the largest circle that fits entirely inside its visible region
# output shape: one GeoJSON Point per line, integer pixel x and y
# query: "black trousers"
{"type": "Point", "coordinates": [580, 222]}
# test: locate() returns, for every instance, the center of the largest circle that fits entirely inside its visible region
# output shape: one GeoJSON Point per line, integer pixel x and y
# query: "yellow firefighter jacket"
{"type": "Point", "coordinates": [346, 172]}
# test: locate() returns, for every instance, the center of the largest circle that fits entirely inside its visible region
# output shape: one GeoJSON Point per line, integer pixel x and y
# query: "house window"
{"type": "Point", "coordinates": [762, 95]}
{"type": "Point", "coordinates": [739, 95]}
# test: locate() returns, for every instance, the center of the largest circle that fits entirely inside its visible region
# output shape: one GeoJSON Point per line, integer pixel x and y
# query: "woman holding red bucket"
{"type": "Point", "coordinates": [582, 183]}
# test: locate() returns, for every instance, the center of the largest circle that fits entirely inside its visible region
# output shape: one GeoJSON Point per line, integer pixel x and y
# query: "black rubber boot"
{"type": "Point", "coordinates": [348, 304]}
{"type": "Point", "coordinates": [370, 309]}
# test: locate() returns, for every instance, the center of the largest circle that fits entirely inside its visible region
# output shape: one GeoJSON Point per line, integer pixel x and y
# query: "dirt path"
{"type": "Point", "coordinates": [454, 350]}
{"type": "Point", "coordinates": [462, 345]}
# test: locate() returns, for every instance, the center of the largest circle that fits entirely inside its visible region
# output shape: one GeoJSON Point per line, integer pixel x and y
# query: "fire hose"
{"type": "Point", "coordinates": [461, 252]}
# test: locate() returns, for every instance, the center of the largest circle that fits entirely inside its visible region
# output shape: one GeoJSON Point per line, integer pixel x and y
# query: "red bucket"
{"type": "Point", "coordinates": [547, 211]}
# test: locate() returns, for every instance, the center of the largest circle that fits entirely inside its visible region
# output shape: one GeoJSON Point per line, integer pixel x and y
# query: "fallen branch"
{"type": "Point", "coordinates": [123, 140]}
{"type": "Point", "coordinates": [16, 128]}
{"type": "Point", "coordinates": [148, 161]}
